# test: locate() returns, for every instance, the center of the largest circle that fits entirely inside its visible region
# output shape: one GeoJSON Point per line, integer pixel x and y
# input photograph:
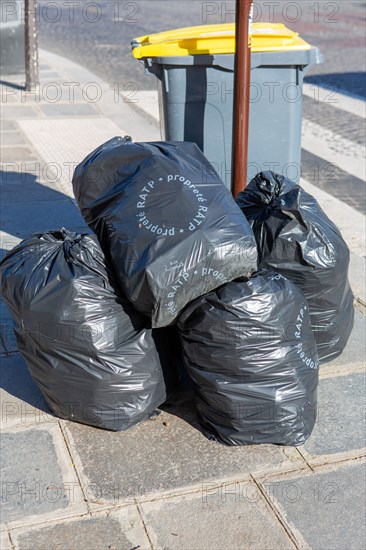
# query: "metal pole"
{"type": "Point", "coordinates": [241, 97]}
{"type": "Point", "coordinates": [31, 46]}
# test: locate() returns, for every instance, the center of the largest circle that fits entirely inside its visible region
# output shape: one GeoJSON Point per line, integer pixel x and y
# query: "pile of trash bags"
{"type": "Point", "coordinates": [250, 294]}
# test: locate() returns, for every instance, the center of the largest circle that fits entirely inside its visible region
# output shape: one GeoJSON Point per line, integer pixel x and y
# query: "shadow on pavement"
{"type": "Point", "coordinates": [16, 381]}
{"type": "Point", "coordinates": [28, 206]}
{"type": "Point", "coordinates": [352, 84]}
{"type": "Point", "coordinates": [13, 85]}
{"type": "Point", "coordinates": [183, 406]}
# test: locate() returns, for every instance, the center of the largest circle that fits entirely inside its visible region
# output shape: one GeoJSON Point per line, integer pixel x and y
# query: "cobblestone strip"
{"type": "Point", "coordinates": [346, 125]}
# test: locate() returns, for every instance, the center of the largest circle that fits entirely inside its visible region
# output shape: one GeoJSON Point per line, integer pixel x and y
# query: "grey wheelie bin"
{"type": "Point", "coordinates": [195, 71]}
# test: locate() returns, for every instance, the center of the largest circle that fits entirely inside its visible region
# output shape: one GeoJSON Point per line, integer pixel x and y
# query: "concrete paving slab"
{"type": "Point", "coordinates": [12, 138]}
{"type": "Point", "coordinates": [13, 79]}
{"type": "Point", "coordinates": [166, 453]}
{"type": "Point", "coordinates": [25, 187]}
{"type": "Point", "coordinates": [227, 518]}
{"type": "Point", "coordinates": [32, 480]}
{"type": "Point", "coordinates": [135, 119]}
{"type": "Point", "coordinates": [72, 140]}
{"type": "Point", "coordinates": [10, 98]}
{"type": "Point", "coordinates": [17, 111]}
{"type": "Point", "coordinates": [22, 403]}
{"type": "Point", "coordinates": [50, 74]}
{"type": "Point", "coordinates": [9, 94]}
{"type": "Point", "coordinates": [58, 91]}
{"type": "Point", "coordinates": [341, 424]}
{"type": "Point", "coordinates": [68, 110]}
{"type": "Point", "coordinates": [40, 175]}
{"type": "Point", "coordinates": [117, 530]}
{"type": "Point", "coordinates": [325, 510]}
{"type": "Point", "coordinates": [136, 125]}
{"type": "Point", "coordinates": [8, 125]}
{"type": "Point", "coordinates": [30, 167]}
{"type": "Point", "coordinates": [23, 97]}
{"type": "Point", "coordinates": [38, 479]}
{"type": "Point", "coordinates": [16, 154]}
{"type": "Point", "coordinates": [74, 71]}
{"type": "Point", "coordinates": [148, 100]}
{"type": "Point", "coordinates": [5, 541]}
{"type": "Point", "coordinates": [353, 356]}
{"type": "Point", "coordinates": [22, 222]}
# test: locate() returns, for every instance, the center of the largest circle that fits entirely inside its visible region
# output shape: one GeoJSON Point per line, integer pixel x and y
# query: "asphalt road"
{"type": "Point", "coordinates": [104, 46]}
{"type": "Point", "coordinates": [98, 34]}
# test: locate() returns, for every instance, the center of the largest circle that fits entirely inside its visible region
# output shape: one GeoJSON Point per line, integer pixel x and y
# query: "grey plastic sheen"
{"type": "Point", "coordinates": [196, 104]}
{"type": "Point", "coordinates": [91, 354]}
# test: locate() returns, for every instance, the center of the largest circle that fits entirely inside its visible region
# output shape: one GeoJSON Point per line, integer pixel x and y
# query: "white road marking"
{"type": "Point", "coordinates": [341, 101]}
{"type": "Point", "coordinates": [334, 149]}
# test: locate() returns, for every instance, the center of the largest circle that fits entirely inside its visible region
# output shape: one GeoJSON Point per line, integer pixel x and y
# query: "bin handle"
{"type": "Point", "coordinates": [227, 62]}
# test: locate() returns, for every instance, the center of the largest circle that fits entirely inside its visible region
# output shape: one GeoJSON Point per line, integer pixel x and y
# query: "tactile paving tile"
{"type": "Point", "coordinates": [62, 144]}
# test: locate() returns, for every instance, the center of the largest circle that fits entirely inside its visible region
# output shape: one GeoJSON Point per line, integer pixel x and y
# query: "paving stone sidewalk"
{"type": "Point", "coordinates": [162, 484]}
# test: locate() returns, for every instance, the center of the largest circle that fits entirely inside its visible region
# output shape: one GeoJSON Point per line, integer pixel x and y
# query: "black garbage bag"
{"type": "Point", "coordinates": [166, 222]}
{"type": "Point", "coordinates": [296, 238]}
{"type": "Point", "coordinates": [87, 349]}
{"type": "Point", "coordinates": [252, 356]}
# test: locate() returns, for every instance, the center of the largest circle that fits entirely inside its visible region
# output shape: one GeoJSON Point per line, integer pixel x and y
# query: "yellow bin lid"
{"type": "Point", "coordinates": [216, 39]}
